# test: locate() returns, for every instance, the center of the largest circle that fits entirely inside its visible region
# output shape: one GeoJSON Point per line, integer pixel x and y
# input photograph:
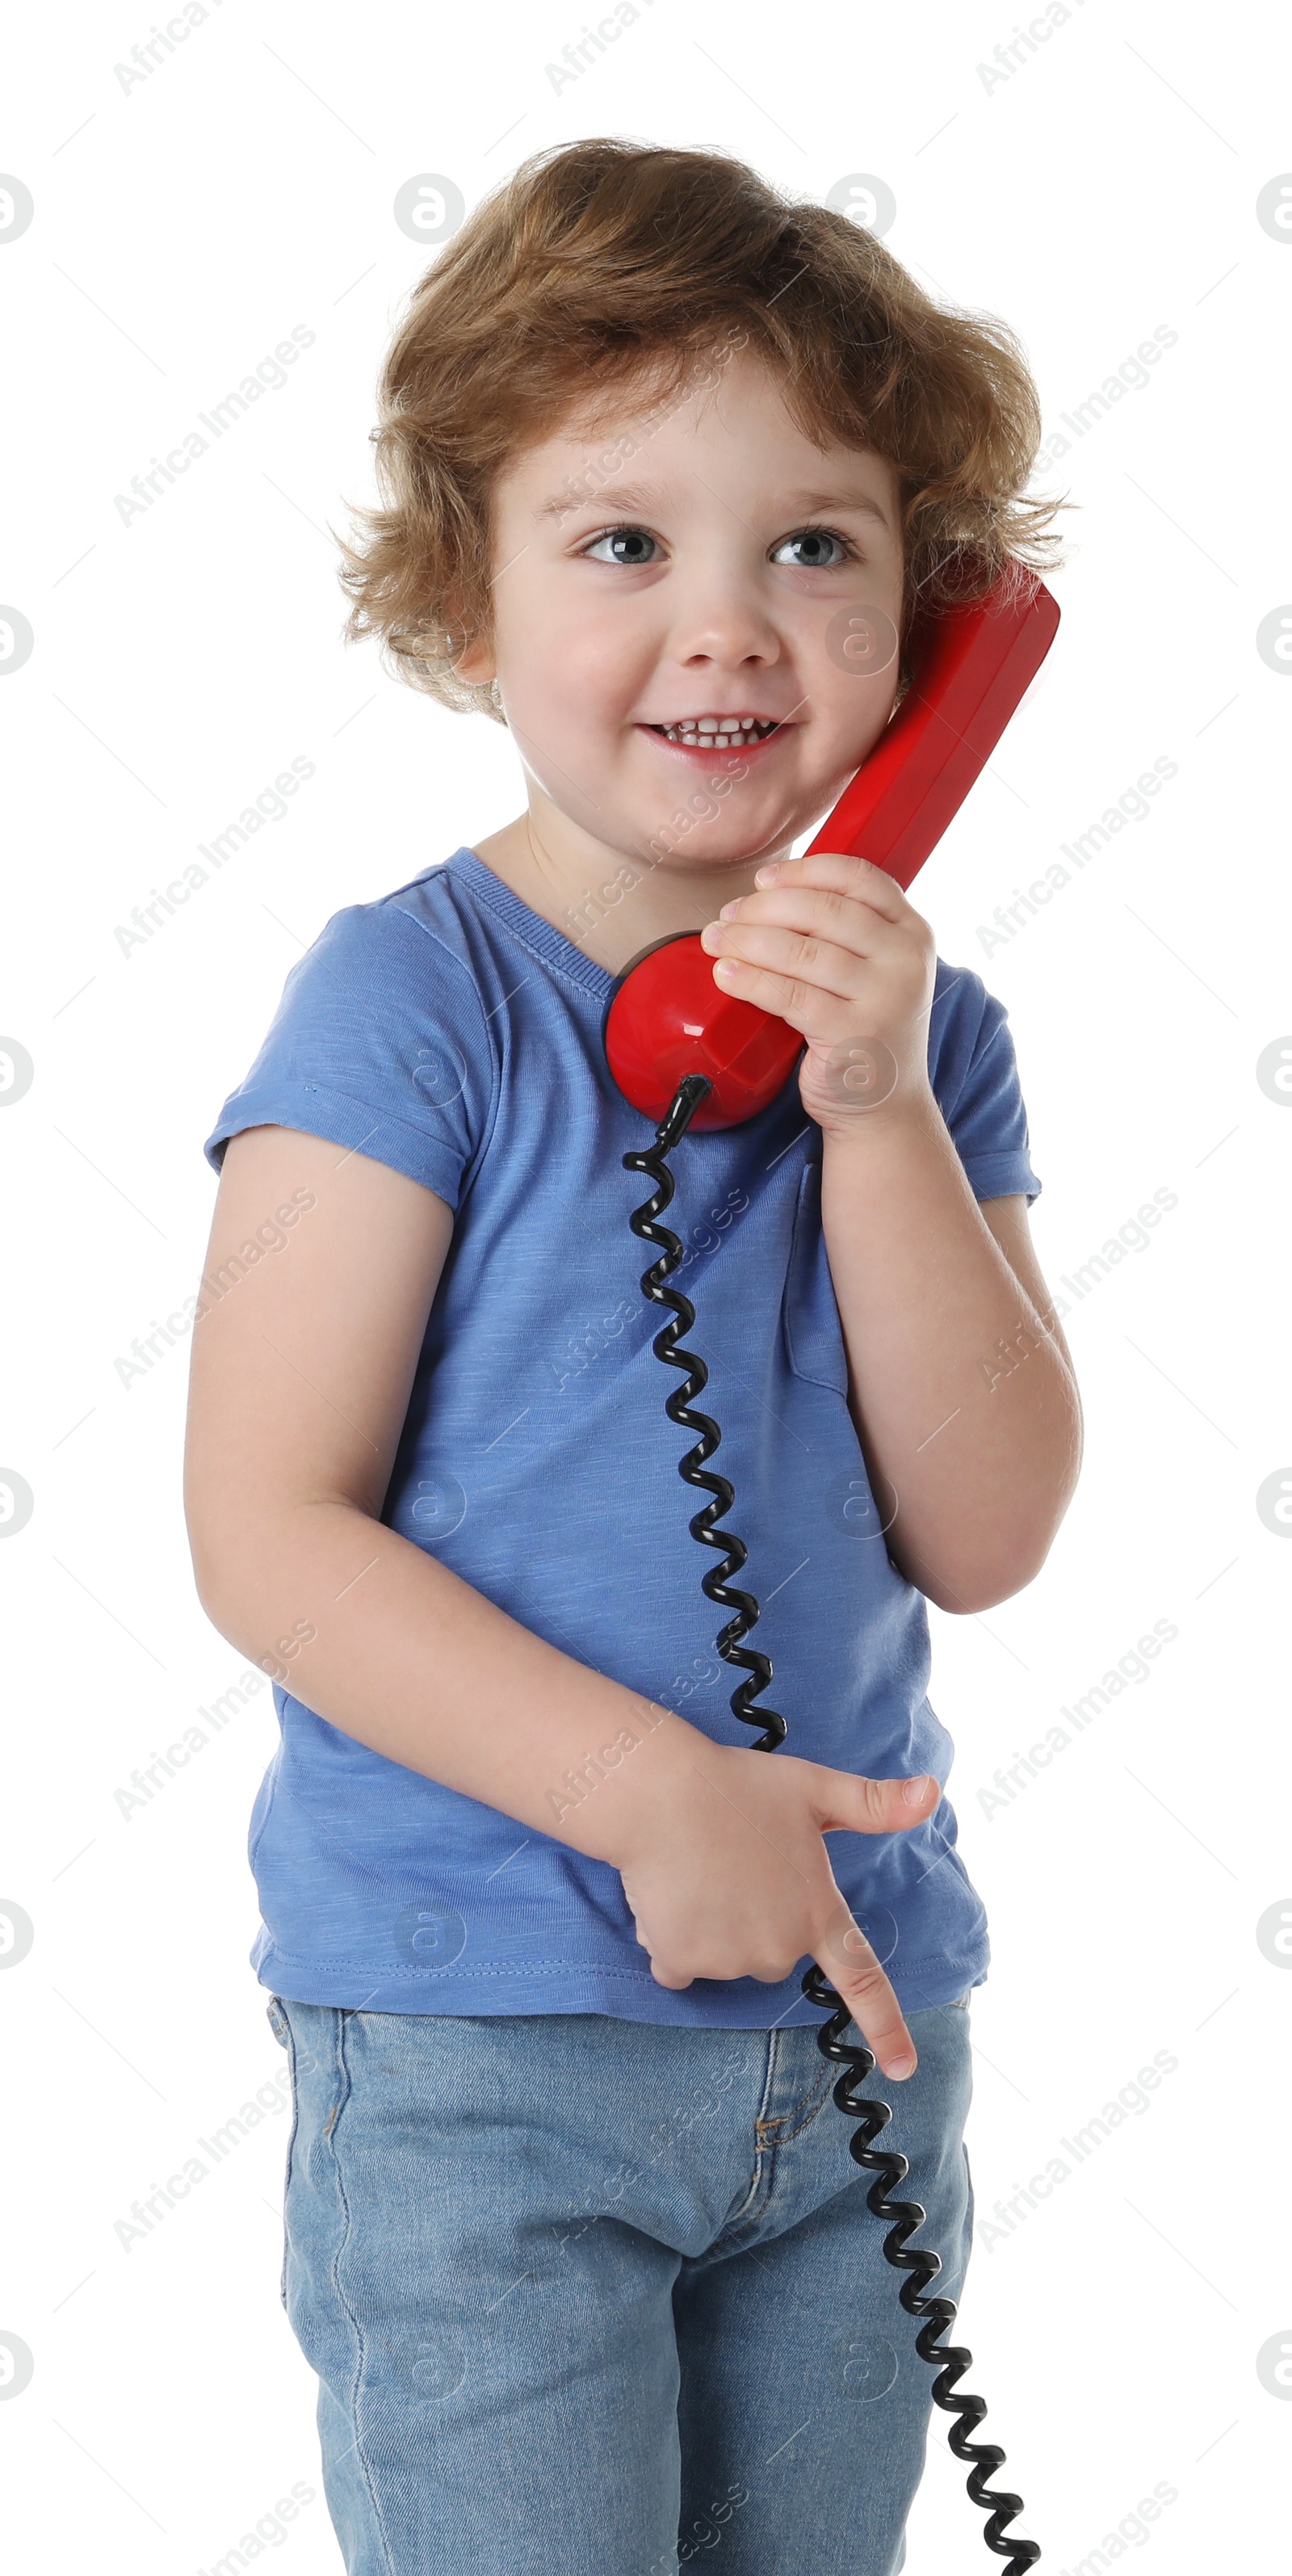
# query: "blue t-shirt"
{"type": "Point", "coordinates": [450, 1032]}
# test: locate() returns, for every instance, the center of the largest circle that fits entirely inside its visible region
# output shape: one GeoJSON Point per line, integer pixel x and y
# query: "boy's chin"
{"type": "Point", "coordinates": [700, 858]}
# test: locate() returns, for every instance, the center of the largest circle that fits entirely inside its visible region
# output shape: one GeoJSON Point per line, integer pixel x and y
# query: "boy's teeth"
{"type": "Point", "coordinates": [715, 729]}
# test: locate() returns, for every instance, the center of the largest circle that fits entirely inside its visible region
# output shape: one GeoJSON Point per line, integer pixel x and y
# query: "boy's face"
{"type": "Point", "coordinates": [713, 574]}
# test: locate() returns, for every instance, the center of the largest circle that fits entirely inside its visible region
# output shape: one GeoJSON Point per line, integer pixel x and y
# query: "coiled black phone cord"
{"type": "Point", "coordinates": [951, 2360]}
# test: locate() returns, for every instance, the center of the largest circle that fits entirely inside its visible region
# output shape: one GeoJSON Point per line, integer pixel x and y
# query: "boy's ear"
{"type": "Point", "coordinates": [475, 662]}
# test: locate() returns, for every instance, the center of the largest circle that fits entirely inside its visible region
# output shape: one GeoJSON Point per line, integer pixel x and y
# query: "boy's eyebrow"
{"type": "Point", "coordinates": [631, 496]}
{"type": "Point", "coordinates": [842, 500]}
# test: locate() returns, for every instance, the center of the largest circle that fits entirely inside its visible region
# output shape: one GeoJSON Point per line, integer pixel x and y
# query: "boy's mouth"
{"type": "Point", "coordinates": [717, 733]}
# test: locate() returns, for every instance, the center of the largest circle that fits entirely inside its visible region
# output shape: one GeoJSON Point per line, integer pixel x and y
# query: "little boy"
{"type": "Point", "coordinates": [573, 2238]}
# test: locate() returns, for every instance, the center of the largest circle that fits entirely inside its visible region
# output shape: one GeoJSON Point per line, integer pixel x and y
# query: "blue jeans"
{"type": "Point", "coordinates": [591, 2297]}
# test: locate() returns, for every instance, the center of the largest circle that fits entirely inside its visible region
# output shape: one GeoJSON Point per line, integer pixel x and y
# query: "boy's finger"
{"type": "Point", "coordinates": [849, 1962]}
{"type": "Point", "coordinates": [842, 873]}
{"type": "Point", "coordinates": [844, 1801]}
{"type": "Point", "coordinates": [661, 1976]}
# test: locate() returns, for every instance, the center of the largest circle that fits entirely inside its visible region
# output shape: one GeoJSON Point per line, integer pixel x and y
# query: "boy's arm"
{"type": "Point", "coordinates": [303, 1365]}
{"type": "Point", "coordinates": [962, 1387]}
{"type": "Point", "coordinates": [302, 1370]}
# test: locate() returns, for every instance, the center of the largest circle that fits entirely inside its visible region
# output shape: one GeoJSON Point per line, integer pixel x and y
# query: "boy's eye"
{"type": "Point", "coordinates": [628, 546]}
{"type": "Point", "coordinates": [815, 557]}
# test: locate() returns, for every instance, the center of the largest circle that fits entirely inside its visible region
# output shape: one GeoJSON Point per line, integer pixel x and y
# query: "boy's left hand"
{"type": "Point", "coordinates": [831, 944]}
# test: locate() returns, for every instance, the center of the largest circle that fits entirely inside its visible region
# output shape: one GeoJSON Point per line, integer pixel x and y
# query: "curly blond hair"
{"type": "Point", "coordinates": [604, 267]}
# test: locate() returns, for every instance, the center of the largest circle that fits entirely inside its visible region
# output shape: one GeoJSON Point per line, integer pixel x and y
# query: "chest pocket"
{"type": "Point", "coordinates": [809, 1314]}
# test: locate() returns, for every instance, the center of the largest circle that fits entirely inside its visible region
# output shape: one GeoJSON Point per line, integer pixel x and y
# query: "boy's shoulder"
{"type": "Point", "coordinates": [381, 1039]}
{"type": "Point", "coordinates": [399, 950]}
{"type": "Point", "coordinates": [974, 1074]}
{"type": "Point", "coordinates": [433, 899]}
{"type": "Point", "coordinates": [461, 905]}
{"type": "Point", "coordinates": [963, 1019]}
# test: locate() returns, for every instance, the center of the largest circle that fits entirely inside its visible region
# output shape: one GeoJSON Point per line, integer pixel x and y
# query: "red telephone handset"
{"type": "Point", "coordinates": [666, 1018]}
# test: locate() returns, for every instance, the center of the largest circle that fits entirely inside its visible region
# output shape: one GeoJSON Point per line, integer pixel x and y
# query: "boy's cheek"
{"type": "Point", "coordinates": [581, 663]}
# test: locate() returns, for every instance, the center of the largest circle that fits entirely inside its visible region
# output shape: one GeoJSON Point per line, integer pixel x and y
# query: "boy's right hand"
{"type": "Point", "coordinates": [728, 1876]}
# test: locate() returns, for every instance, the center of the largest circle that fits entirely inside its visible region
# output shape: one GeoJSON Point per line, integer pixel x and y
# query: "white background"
{"type": "Point", "coordinates": [183, 225]}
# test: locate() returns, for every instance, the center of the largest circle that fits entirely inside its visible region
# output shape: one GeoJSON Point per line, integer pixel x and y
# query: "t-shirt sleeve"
{"type": "Point", "coordinates": [379, 1044]}
{"type": "Point", "coordinates": [975, 1080]}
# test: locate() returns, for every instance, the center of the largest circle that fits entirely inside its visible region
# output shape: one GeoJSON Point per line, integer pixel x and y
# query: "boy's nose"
{"type": "Point", "coordinates": [721, 620]}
